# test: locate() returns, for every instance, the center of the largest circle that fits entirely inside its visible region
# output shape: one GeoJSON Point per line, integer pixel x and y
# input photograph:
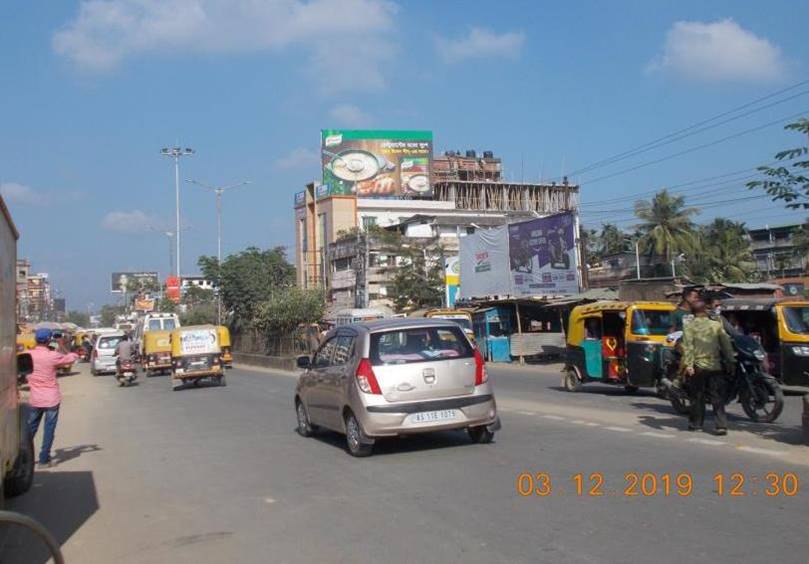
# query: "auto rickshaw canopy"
{"type": "Point", "coordinates": [156, 341]}
{"type": "Point", "coordinates": [576, 330]}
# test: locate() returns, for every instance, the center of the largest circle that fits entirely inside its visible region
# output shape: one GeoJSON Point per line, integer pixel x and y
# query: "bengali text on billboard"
{"type": "Point", "coordinates": [377, 163]}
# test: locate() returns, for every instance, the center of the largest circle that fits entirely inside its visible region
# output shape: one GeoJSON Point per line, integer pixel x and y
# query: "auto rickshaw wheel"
{"type": "Point", "coordinates": [572, 381]}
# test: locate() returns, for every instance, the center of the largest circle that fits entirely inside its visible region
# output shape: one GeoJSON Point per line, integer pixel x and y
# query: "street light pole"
{"type": "Point", "coordinates": [176, 153]}
{"type": "Point", "coordinates": [218, 190]}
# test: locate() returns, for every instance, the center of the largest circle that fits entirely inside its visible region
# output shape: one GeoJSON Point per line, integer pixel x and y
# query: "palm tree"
{"type": "Point", "coordinates": [613, 240]}
{"type": "Point", "coordinates": [727, 246]}
{"type": "Point", "coordinates": [666, 229]}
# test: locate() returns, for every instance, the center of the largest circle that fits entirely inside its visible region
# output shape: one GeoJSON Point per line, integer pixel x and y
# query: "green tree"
{"type": "Point", "coordinates": [721, 253]}
{"type": "Point", "coordinates": [109, 313]}
{"type": "Point", "coordinates": [790, 180]}
{"type": "Point", "coordinates": [288, 308]}
{"type": "Point", "coordinates": [418, 281]}
{"type": "Point", "coordinates": [79, 318]}
{"type": "Point", "coordinates": [667, 228]}
{"type": "Point", "coordinates": [248, 279]}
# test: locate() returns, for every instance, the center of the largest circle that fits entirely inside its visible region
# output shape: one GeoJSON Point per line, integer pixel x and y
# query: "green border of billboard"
{"type": "Point", "coordinates": [392, 134]}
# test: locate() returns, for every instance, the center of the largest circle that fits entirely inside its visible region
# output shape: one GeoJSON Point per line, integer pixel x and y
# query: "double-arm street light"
{"type": "Point", "coordinates": [176, 153]}
{"type": "Point", "coordinates": [218, 190]}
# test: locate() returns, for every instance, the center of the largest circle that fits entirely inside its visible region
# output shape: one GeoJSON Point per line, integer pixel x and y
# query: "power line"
{"type": "Point", "coordinates": [657, 142]}
{"type": "Point", "coordinates": [697, 148]}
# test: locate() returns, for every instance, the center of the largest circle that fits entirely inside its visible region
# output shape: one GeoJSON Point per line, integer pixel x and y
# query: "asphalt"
{"type": "Point", "coordinates": [212, 474]}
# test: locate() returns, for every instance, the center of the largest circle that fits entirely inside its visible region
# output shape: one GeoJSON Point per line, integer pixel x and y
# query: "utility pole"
{"type": "Point", "coordinates": [218, 190]}
{"type": "Point", "coordinates": [176, 153]}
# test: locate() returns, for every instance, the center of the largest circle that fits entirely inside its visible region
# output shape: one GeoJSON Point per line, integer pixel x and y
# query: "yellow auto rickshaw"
{"type": "Point", "coordinates": [195, 355]}
{"type": "Point", "coordinates": [26, 342]}
{"type": "Point", "coordinates": [617, 343]}
{"type": "Point", "coordinates": [462, 317]}
{"type": "Point", "coordinates": [156, 352]}
{"type": "Point", "coordinates": [224, 344]}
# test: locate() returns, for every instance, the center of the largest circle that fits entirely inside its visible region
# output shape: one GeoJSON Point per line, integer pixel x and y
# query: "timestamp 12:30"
{"type": "Point", "coordinates": [649, 484]}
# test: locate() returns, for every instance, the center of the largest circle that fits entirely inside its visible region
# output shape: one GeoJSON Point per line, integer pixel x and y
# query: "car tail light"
{"type": "Point", "coordinates": [366, 379]}
{"type": "Point", "coordinates": [481, 375]}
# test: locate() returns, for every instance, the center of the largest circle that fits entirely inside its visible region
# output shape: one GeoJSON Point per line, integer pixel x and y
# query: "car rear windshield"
{"type": "Point", "coordinates": [109, 342]}
{"type": "Point", "coordinates": [422, 344]}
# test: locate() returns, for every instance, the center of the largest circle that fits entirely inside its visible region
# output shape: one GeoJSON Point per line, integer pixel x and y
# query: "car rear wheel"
{"type": "Point", "coordinates": [357, 442]}
{"type": "Point", "coordinates": [480, 435]}
{"type": "Point", "coordinates": [22, 474]}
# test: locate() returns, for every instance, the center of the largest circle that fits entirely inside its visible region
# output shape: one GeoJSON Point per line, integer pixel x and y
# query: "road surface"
{"type": "Point", "coordinates": [218, 475]}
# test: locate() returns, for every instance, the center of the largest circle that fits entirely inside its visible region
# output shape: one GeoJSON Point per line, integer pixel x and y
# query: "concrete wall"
{"type": "Point", "coordinates": [278, 362]}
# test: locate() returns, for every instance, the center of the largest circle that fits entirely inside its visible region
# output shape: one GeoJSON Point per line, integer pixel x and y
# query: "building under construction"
{"type": "Point", "coordinates": [476, 183]}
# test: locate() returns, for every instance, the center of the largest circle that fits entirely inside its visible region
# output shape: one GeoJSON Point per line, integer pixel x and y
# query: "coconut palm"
{"type": "Point", "coordinates": [666, 229]}
{"type": "Point", "coordinates": [727, 247]}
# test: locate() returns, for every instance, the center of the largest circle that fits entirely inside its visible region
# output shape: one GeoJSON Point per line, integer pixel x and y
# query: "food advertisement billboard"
{"type": "Point", "coordinates": [377, 163]}
{"type": "Point", "coordinates": [542, 255]}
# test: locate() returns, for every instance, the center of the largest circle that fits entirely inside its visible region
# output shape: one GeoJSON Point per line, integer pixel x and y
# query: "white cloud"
{"type": "Point", "coordinates": [348, 115]}
{"type": "Point", "coordinates": [132, 222]}
{"type": "Point", "coordinates": [721, 50]}
{"type": "Point", "coordinates": [22, 194]}
{"type": "Point", "coordinates": [347, 41]}
{"type": "Point", "coordinates": [480, 43]}
{"type": "Point", "coordinates": [298, 158]}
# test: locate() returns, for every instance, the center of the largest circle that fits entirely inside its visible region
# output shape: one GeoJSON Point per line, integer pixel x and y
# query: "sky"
{"type": "Point", "coordinates": [93, 89]}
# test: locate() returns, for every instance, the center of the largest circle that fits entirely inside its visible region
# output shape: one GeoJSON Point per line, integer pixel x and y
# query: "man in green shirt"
{"type": "Point", "coordinates": [707, 357]}
{"type": "Point", "coordinates": [684, 309]}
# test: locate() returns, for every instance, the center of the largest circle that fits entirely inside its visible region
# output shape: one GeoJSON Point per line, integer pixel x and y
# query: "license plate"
{"type": "Point", "coordinates": [433, 416]}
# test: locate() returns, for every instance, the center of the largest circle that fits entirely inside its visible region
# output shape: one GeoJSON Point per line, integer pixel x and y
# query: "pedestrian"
{"type": "Point", "coordinates": [44, 396]}
{"type": "Point", "coordinates": [707, 358]}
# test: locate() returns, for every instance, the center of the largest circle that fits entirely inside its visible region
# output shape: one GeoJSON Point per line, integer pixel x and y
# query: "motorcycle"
{"type": "Point", "coordinates": [126, 372]}
{"type": "Point", "coordinates": [760, 394]}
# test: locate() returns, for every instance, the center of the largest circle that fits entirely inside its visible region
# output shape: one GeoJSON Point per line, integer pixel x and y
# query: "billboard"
{"type": "Point", "coordinates": [542, 256]}
{"type": "Point", "coordinates": [484, 263]}
{"type": "Point", "coordinates": [144, 304]}
{"type": "Point", "coordinates": [300, 198]}
{"type": "Point", "coordinates": [173, 288]}
{"type": "Point", "coordinates": [452, 279]}
{"type": "Point", "coordinates": [132, 281]}
{"type": "Point", "coordinates": [376, 163]}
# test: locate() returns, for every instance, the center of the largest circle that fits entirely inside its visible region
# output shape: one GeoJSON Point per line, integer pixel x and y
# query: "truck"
{"type": "Point", "coordinates": [16, 446]}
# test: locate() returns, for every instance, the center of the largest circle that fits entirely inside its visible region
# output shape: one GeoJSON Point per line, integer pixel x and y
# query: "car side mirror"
{"type": "Point", "coordinates": [304, 362]}
{"type": "Point", "coordinates": [25, 364]}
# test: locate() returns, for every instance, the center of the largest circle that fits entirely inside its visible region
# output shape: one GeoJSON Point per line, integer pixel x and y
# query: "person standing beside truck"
{"type": "Point", "coordinates": [45, 396]}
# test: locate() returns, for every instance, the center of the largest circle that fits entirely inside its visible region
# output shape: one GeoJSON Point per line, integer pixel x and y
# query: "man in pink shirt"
{"type": "Point", "coordinates": [44, 396]}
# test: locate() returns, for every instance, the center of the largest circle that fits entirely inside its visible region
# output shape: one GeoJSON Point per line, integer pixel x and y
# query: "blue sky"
{"type": "Point", "coordinates": [93, 90]}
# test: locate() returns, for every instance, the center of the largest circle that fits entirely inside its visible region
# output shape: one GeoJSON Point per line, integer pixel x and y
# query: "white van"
{"type": "Point", "coordinates": [357, 315]}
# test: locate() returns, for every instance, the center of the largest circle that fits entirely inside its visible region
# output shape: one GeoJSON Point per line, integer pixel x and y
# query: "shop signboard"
{"type": "Point", "coordinates": [300, 198]}
{"type": "Point", "coordinates": [377, 163]}
{"type": "Point", "coordinates": [542, 256]}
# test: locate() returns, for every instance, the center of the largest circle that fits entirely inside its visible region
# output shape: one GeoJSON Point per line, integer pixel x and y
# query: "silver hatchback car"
{"type": "Point", "coordinates": [395, 377]}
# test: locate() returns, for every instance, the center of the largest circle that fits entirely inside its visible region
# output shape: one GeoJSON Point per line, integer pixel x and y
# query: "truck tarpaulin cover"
{"type": "Point", "coordinates": [542, 254]}
{"type": "Point", "coordinates": [199, 341]}
{"type": "Point", "coordinates": [484, 263]}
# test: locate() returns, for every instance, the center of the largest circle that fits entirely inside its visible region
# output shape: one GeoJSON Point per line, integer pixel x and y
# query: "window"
{"type": "Point", "coordinates": [343, 350]}
{"type": "Point", "coordinates": [368, 221]}
{"type": "Point", "coordinates": [592, 328]}
{"type": "Point", "coordinates": [797, 319]}
{"type": "Point", "coordinates": [427, 344]}
{"type": "Point", "coordinates": [154, 325]}
{"type": "Point", "coordinates": [109, 343]}
{"type": "Point", "coordinates": [650, 322]}
{"type": "Point", "coordinates": [323, 355]}
{"type": "Point", "coordinates": [168, 324]}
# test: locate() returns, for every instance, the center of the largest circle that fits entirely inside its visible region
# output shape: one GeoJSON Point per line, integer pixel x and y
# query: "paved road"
{"type": "Point", "coordinates": [218, 475]}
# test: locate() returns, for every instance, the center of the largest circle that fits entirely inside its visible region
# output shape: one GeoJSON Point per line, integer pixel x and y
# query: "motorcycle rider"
{"type": "Point", "coordinates": [123, 351]}
{"type": "Point", "coordinates": [707, 358]}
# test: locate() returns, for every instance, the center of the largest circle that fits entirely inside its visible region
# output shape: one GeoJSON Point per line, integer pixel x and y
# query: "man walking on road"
{"type": "Point", "coordinates": [706, 346]}
{"type": "Point", "coordinates": [45, 396]}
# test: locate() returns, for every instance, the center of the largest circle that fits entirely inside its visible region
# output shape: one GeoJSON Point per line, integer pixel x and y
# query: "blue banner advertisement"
{"type": "Point", "coordinates": [542, 255]}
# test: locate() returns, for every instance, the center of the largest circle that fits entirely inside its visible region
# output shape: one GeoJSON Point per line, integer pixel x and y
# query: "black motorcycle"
{"type": "Point", "coordinates": [759, 393]}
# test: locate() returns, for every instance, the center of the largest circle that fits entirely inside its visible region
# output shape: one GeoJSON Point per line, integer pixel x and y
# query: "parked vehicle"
{"type": "Point", "coordinates": [126, 372]}
{"type": "Point", "coordinates": [357, 315]}
{"type": "Point", "coordinates": [25, 342]}
{"type": "Point", "coordinates": [395, 377]}
{"type": "Point", "coordinates": [781, 326]}
{"type": "Point", "coordinates": [156, 356]}
{"type": "Point", "coordinates": [462, 317]}
{"type": "Point", "coordinates": [16, 444]}
{"type": "Point", "coordinates": [758, 392]}
{"type": "Point", "coordinates": [224, 345]}
{"type": "Point", "coordinates": [195, 356]}
{"type": "Point", "coordinates": [103, 357]}
{"type": "Point", "coordinates": [617, 343]}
